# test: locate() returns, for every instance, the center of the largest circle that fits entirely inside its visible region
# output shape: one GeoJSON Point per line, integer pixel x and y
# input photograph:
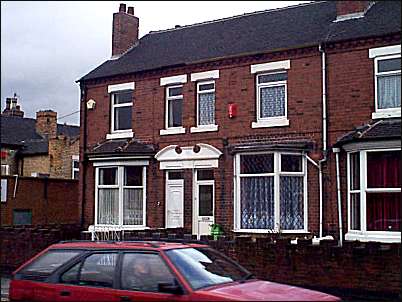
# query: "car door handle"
{"type": "Point", "coordinates": [125, 299]}
{"type": "Point", "coordinates": [64, 293]}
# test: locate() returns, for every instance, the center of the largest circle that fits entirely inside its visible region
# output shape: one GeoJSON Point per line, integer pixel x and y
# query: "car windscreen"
{"type": "Point", "coordinates": [49, 262]}
{"type": "Point", "coordinates": [204, 267]}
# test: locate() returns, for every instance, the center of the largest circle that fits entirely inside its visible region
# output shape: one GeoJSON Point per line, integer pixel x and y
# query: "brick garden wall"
{"type": "Point", "coordinates": [20, 243]}
{"type": "Point", "coordinates": [353, 270]}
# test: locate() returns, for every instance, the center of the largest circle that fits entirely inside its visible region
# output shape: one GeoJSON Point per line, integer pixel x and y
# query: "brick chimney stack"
{"type": "Point", "coordinates": [46, 123]}
{"type": "Point", "coordinates": [12, 107]}
{"type": "Point", "coordinates": [351, 9]}
{"type": "Point", "coordinates": [125, 30]}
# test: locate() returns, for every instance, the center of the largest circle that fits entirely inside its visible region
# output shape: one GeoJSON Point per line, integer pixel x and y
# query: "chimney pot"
{"type": "Point", "coordinates": [122, 8]}
{"type": "Point", "coordinates": [130, 10]}
{"type": "Point", "coordinates": [125, 30]}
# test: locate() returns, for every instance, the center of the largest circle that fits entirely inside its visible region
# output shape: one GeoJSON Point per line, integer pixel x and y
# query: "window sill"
{"type": "Point", "coordinates": [386, 114]}
{"type": "Point", "coordinates": [205, 128]}
{"type": "Point", "coordinates": [117, 135]}
{"type": "Point", "coordinates": [263, 231]}
{"type": "Point", "coordinates": [179, 130]}
{"type": "Point", "coordinates": [386, 237]}
{"type": "Point", "coordinates": [275, 122]}
{"type": "Point", "coordinates": [113, 227]}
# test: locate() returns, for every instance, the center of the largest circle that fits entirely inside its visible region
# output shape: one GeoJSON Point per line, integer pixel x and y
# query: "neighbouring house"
{"type": "Point", "coordinates": [39, 168]}
{"type": "Point", "coordinates": [37, 147]}
{"type": "Point", "coordinates": [285, 120]}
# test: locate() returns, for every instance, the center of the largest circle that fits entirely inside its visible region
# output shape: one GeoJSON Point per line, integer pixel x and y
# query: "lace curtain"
{"type": "Point", "coordinates": [272, 101]}
{"type": "Point", "coordinates": [206, 103]}
{"type": "Point", "coordinates": [133, 207]}
{"type": "Point", "coordinates": [389, 91]}
{"type": "Point", "coordinates": [108, 206]}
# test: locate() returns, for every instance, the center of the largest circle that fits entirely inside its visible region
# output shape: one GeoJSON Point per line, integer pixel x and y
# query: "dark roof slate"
{"type": "Point", "coordinates": [123, 146]}
{"type": "Point", "coordinates": [374, 130]}
{"type": "Point", "coordinates": [271, 30]}
{"type": "Point", "coordinates": [20, 132]}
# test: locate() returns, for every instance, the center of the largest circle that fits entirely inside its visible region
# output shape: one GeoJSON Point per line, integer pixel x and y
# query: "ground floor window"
{"type": "Point", "coordinates": [270, 192]}
{"type": "Point", "coordinates": [120, 195]}
{"type": "Point", "coordinates": [374, 188]}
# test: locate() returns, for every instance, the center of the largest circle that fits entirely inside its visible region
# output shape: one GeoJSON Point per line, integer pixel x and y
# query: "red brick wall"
{"type": "Point", "coordinates": [51, 200]}
{"type": "Point", "coordinates": [350, 103]}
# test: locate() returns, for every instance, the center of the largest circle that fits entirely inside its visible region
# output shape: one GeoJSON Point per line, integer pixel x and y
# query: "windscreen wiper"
{"type": "Point", "coordinates": [246, 277]}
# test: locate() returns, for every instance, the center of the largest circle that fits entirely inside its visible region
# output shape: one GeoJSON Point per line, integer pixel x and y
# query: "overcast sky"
{"type": "Point", "coordinates": [47, 46]}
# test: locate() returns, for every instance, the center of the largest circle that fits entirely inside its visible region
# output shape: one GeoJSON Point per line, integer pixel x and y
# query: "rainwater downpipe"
{"type": "Point", "coordinates": [338, 191]}
{"type": "Point", "coordinates": [324, 133]}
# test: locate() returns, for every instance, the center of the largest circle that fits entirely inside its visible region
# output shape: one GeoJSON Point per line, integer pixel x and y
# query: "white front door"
{"type": "Point", "coordinates": [174, 199]}
{"type": "Point", "coordinates": [204, 202]}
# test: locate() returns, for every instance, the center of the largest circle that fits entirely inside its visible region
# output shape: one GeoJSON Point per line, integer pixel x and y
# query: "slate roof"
{"type": "Point", "coordinates": [20, 132]}
{"type": "Point", "coordinates": [374, 130]}
{"type": "Point", "coordinates": [266, 31]}
{"type": "Point", "coordinates": [122, 147]}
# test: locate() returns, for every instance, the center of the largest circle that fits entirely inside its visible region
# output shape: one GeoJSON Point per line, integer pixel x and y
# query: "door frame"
{"type": "Point", "coordinates": [195, 200]}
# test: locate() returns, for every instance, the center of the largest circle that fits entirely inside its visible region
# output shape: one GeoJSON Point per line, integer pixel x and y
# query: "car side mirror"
{"type": "Point", "coordinates": [170, 288]}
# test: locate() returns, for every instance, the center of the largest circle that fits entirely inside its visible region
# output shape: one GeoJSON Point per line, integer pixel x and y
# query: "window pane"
{"type": "Point", "coordinates": [133, 175]}
{"type": "Point", "coordinates": [175, 91]}
{"type": "Point", "coordinates": [389, 65]}
{"type": "Point", "coordinates": [257, 163]}
{"type": "Point", "coordinates": [291, 203]}
{"type": "Point", "coordinates": [291, 163]}
{"type": "Point", "coordinates": [389, 91]}
{"type": "Point", "coordinates": [175, 175]}
{"type": "Point", "coordinates": [71, 276]}
{"type": "Point", "coordinates": [257, 202]}
{"type": "Point", "coordinates": [355, 171]}
{"type": "Point", "coordinates": [76, 175]}
{"type": "Point", "coordinates": [98, 270]}
{"type": "Point", "coordinates": [76, 164]}
{"type": "Point", "coordinates": [384, 169]}
{"type": "Point", "coordinates": [108, 176]}
{"type": "Point", "coordinates": [133, 207]}
{"type": "Point", "coordinates": [122, 118]}
{"type": "Point", "coordinates": [272, 101]}
{"type": "Point", "coordinates": [108, 206]}
{"type": "Point", "coordinates": [175, 113]}
{"type": "Point", "coordinates": [275, 77]}
{"type": "Point", "coordinates": [206, 196]}
{"type": "Point", "coordinates": [22, 217]}
{"type": "Point", "coordinates": [206, 108]}
{"type": "Point", "coordinates": [383, 211]}
{"type": "Point", "coordinates": [143, 272]}
{"type": "Point", "coordinates": [122, 97]}
{"type": "Point", "coordinates": [205, 174]}
{"type": "Point", "coordinates": [355, 211]}
{"type": "Point", "coordinates": [209, 86]}
{"type": "Point", "coordinates": [50, 261]}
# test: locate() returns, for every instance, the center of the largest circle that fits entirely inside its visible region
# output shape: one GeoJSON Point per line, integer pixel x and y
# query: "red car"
{"type": "Point", "coordinates": [143, 271]}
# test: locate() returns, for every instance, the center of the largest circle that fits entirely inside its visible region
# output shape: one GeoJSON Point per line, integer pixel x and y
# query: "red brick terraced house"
{"type": "Point", "coordinates": [284, 120]}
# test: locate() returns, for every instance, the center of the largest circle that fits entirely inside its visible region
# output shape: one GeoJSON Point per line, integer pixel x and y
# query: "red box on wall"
{"type": "Point", "coordinates": [232, 110]}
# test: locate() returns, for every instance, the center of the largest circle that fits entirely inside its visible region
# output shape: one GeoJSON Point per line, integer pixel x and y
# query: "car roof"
{"type": "Point", "coordinates": [131, 245]}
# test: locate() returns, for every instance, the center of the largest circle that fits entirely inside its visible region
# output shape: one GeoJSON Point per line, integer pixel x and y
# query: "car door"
{"type": "Point", "coordinates": [92, 279]}
{"type": "Point", "coordinates": [146, 277]}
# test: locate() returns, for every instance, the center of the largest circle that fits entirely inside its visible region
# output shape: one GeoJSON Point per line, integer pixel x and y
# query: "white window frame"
{"type": "Point", "coordinates": [74, 158]}
{"type": "Point", "coordinates": [363, 234]}
{"type": "Point", "coordinates": [276, 121]}
{"type": "Point", "coordinates": [120, 186]}
{"type": "Point", "coordinates": [172, 130]}
{"type": "Point", "coordinates": [113, 90]}
{"type": "Point", "coordinates": [276, 174]}
{"type": "Point", "coordinates": [6, 168]}
{"type": "Point", "coordinates": [378, 54]}
{"type": "Point", "coordinates": [210, 127]}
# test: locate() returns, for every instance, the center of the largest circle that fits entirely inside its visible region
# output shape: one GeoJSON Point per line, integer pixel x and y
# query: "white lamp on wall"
{"type": "Point", "coordinates": [91, 104]}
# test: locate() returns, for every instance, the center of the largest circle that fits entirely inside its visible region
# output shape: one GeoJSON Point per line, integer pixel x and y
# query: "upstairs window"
{"type": "Point", "coordinates": [122, 104]}
{"type": "Point", "coordinates": [271, 95]}
{"type": "Point", "coordinates": [174, 103]}
{"type": "Point", "coordinates": [206, 103]}
{"type": "Point", "coordinates": [388, 74]}
{"type": "Point", "coordinates": [75, 167]}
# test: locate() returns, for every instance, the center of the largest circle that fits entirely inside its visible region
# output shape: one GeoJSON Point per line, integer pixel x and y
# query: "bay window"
{"type": "Point", "coordinates": [120, 195]}
{"type": "Point", "coordinates": [270, 192]}
{"type": "Point", "coordinates": [374, 201]}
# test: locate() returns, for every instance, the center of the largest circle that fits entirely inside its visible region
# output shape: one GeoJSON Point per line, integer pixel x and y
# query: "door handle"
{"type": "Point", "coordinates": [64, 293]}
{"type": "Point", "coordinates": [125, 299]}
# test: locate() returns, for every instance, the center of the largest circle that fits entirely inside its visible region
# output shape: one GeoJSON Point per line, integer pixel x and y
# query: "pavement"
{"type": "Point", "coordinates": [5, 284]}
